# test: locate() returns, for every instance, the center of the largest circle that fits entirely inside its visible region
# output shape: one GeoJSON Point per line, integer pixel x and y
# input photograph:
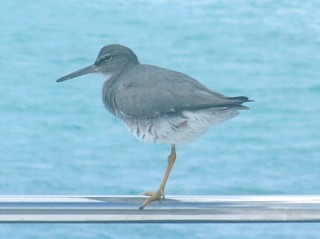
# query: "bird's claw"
{"type": "Point", "coordinates": [152, 196]}
{"type": "Point", "coordinates": [146, 193]}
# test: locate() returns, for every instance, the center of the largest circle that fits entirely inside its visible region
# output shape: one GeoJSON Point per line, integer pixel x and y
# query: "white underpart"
{"type": "Point", "coordinates": [177, 129]}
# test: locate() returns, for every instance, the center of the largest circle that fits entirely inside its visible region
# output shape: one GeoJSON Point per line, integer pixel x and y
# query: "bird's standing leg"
{"type": "Point", "coordinates": [160, 192]}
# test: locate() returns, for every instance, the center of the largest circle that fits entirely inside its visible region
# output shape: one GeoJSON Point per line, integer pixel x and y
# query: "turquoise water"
{"type": "Point", "coordinates": [58, 138]}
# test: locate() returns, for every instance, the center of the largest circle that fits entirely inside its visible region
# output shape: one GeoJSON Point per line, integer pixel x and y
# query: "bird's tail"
{"type": "Point", "coordinates": [236, 102]}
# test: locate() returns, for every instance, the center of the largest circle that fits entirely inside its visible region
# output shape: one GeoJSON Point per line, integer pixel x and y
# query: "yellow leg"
{"type": "Point", "coordinates": [160, 192]}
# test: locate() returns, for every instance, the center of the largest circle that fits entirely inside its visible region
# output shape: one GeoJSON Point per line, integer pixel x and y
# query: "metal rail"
{"type": "Point", "coordinates": [182, 209]}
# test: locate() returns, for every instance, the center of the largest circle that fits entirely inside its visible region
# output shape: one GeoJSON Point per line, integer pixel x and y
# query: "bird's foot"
{"type": "Point", "coordinates": [153, 196]}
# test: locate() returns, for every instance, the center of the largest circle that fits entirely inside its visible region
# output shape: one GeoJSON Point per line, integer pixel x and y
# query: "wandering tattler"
{"type": "Point", "coordinates": [158, 105]}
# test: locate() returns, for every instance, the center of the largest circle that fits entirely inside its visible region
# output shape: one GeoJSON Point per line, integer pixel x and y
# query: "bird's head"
{"type": "Point", "coordinates": [112, 60]}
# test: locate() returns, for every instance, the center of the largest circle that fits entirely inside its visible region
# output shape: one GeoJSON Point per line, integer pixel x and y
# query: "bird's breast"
{"type": "Point", "coordinates": [108, 95]}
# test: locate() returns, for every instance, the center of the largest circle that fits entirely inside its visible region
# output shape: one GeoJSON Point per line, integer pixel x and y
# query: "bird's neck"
{"type": "Point", "coordinates": [112, 84]}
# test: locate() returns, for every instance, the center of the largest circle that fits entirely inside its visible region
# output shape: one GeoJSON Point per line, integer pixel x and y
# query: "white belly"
{"type": "Point", "coordinates": [177, 129]}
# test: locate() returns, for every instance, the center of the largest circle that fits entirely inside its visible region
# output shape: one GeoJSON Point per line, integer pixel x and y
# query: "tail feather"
{"type": "Point", "coordinates": [236, 102]}
{"type": "Point", "coordinates": [240, 99]}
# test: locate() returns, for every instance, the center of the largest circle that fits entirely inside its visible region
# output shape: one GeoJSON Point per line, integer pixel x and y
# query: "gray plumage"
{"type": "Point", "coordinates": [141, 94]}
{"type": "Point", "coordinates": [155, 91]}
{"type": "Point", "coordinates": [158, 104]}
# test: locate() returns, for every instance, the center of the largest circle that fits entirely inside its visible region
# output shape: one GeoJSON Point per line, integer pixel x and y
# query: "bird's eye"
{"type": "Point", "coordinates": [107, 58]}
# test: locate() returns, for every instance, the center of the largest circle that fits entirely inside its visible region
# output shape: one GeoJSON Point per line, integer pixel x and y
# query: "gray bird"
{"type": "Point", "coordinates": [158, 105]}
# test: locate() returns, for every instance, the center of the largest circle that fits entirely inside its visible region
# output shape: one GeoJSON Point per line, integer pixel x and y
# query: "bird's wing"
{"type": "Point", "coordinates": [153, 91]}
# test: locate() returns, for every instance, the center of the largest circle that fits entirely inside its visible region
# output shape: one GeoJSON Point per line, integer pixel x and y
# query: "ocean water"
{"type": "Point", "coordinates": [58, 138]}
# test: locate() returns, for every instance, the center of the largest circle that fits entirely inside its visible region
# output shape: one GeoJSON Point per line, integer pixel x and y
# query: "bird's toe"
{"type": "Point", "coordinates": [152, 196]}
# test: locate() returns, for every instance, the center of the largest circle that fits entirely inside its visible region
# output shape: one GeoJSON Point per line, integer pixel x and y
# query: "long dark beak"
{"type": "Point", "coordinates": [83, 71]}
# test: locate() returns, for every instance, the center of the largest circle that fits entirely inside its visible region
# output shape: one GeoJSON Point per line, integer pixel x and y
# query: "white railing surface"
{"type": "Point", "coordinates": [181, 209]}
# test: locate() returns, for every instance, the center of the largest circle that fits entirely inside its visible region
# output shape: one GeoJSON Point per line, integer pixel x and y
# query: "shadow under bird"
{"type": "Point", "coordinates": [158, 105]}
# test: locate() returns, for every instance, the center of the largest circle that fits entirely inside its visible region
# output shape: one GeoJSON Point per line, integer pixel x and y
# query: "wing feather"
{"type": "Point", "coordinates": [153, 91]}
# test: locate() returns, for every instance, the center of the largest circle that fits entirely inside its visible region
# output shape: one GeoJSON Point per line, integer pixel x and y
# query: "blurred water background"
{"type": "Point", "coordinates": [57, 139]}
